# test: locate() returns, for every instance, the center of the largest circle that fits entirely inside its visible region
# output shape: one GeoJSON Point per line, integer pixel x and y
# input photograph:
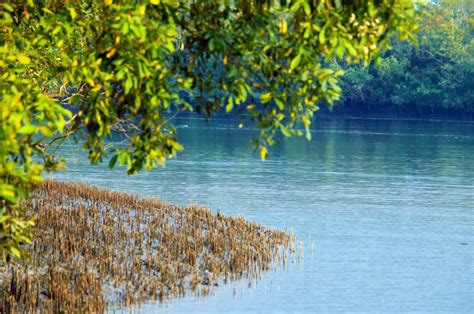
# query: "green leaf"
{"type": "Point", "coordinates": [128, 84]}
{"type": "Point", "coordinates": [177, 146]}
{"type": "Point", "coordinates": [172, 3]}
{"type": "Point", "coordinates": [28, 129]}
{"type": "Point", "coordinates": [307, 9]}
{"type": "Point", "coordinates": [284, 130]}
{"type": "Point", "coordinates": [24, 59]}
{"type": "Point", "coordinates": [15, 251]}
{"type": "Point", "coordinates": [242, 93]}
{"type": "Point", "coordinates": [113, 161]}
{"type": "Point", "coordinates": [350, 48]}
{"type": "Point", "coordinates": [265, 98]}
{"type": "Point", "coordinates": [263, 152]}
{"type": "Point", "coordinates": [73, 13]}
{"type": "Point", "coordinates": [295, 62]}
{"type": "Point", "coordinates": [230, 105]}
{"type": "Point", "coordinates": [7, 193]}
{"type": "Point", "coordinates": [322, 36]}
{"type": "Point", "coordinates": [8, 7]}
{"type": "Point", "coordinates": [280, 104]}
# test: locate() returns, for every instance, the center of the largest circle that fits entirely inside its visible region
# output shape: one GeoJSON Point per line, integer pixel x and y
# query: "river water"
{"type": "Point", "coordinates": [385, 210]}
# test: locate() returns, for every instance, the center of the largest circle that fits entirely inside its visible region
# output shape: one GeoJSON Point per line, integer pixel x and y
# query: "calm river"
{"type": "Point", "coordinates": [385, 210]}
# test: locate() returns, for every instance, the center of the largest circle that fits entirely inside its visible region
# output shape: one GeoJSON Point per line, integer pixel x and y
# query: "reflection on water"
{"type": "Point", "coordinates": [385, 209]}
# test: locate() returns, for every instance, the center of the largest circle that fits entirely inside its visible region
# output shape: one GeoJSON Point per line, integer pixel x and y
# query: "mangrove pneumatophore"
{"type": "Point", "coordinates": [95, 250]}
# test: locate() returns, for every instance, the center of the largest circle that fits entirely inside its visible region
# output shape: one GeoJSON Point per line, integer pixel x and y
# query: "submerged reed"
{"type": "Point", "coordinates": [95, 249]}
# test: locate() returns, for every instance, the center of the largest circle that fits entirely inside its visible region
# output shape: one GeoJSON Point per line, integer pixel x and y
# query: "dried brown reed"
{"type": "Point", "coordinates": [95, 249]}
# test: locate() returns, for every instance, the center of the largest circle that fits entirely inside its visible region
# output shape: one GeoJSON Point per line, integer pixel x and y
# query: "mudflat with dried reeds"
{"type": "Point", "coordinates": [94, 250]}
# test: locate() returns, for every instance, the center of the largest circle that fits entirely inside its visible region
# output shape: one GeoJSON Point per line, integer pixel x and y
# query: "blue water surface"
{"type": "Point", "coordinates": [385, 210]}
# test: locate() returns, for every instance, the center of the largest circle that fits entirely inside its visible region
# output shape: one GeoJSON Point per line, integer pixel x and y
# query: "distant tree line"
{"type": "Point", "coordinates": [434, 78]}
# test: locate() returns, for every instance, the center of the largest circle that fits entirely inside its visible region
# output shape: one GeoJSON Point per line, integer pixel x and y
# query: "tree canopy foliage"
{"type": "Point", "coordinates": [98, 67]}
{"type": "Point", "coordinates": [437, 76]}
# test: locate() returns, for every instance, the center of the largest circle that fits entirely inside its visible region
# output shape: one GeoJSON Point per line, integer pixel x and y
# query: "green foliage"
{"type": "Point", "coordinates": [435, 76]}
{"type": "Point", "coordinates": [122, 66]}
{"type": "Point", "coordinates": [27, 117]}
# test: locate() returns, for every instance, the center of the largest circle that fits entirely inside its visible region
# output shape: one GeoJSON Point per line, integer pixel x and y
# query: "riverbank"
{"type": "Point", "coordinates": [348, 112]}
{"type": "Point", "coordinates": [95, 249]}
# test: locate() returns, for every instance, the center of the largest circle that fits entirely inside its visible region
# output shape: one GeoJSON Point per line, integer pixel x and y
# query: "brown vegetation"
{"type": "Point", "coordinates": [95, 249]}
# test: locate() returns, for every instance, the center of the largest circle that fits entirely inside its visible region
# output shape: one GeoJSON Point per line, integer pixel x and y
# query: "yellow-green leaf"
{"type": "Point", "coordinates": [263, 152]}
{"type": "Point", "coordinates": [295, 62]}
{"type": "Point", "coordinates": [322, 36]}
{"type": "Point", "coordinates": [8, 7]}
{"type": "Point", "coordinates": [285, 131]}
{"type": "Point", "coordinates": [230, 105]}
{"type": "Point", "coordinates": [16, 252]}
{"type": "Point", "coordinates": [73, 13]}
{"type": "Point", "coordinates": [27, 129]}
{"type": "Point", "coordinates": [266, 97]}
